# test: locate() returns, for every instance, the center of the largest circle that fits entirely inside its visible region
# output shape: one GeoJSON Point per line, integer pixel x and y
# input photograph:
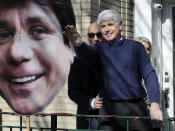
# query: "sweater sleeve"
{"type": "Point", "coordinates": [149, 75]}
{"type": "Point", "coordinates": [88, 53]}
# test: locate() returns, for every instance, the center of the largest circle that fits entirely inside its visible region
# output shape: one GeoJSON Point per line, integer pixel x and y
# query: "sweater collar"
{"type": "Point", "coordinates": [117, 43]}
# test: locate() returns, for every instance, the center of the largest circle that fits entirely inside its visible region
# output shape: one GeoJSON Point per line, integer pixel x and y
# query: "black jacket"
{"type": "Point", "coordinates": [83, 85]}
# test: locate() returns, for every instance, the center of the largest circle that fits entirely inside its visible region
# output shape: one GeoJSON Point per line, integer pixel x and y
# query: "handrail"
{"type": "Point", "coordinates": [166, 120]}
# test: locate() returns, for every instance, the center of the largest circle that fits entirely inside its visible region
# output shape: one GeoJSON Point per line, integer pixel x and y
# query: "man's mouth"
{"type": "Point", "coordinates": [26, 79]}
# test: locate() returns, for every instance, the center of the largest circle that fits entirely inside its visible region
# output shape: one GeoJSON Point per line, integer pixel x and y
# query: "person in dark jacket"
{"type": "Point", "coordinates": [124, 63]}
{"type": "Point", "coordinates": [83, 86]}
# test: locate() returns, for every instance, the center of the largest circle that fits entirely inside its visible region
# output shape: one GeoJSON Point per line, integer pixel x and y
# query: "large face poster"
{"type": "Point", "coordinates": [35, 56]}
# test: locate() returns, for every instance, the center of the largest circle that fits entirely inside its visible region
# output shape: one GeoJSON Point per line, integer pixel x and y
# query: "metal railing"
{"type": "Point", "coordinates": [167, 121]}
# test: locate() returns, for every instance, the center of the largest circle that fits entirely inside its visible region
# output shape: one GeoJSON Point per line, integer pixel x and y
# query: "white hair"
{"type": "Point", "coordinates": [109, 15]}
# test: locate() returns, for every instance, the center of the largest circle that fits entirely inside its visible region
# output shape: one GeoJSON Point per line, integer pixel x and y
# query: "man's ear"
{"type": "Point", "coordinates": [121, 26]}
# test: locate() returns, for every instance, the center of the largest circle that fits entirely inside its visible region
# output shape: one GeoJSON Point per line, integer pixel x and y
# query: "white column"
{"type": "Point", "coordinates": [143, 18]}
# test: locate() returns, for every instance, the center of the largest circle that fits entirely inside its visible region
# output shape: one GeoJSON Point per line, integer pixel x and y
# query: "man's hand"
{"type": "Point", "coordinates": [155, 112]}
{"type": "Point", "coordinates": [73, 36]}
{"type": "Point", "coordinates": [98, 102]}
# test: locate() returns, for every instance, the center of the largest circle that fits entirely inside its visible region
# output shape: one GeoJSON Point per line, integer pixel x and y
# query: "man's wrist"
{"type": "Point", "coordinates": [78, 42]}
{"type": "Point", "coordinates": [155, 105]}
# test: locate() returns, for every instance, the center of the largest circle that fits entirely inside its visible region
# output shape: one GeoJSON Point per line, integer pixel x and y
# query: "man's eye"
{"type": "Point", "coordinates": [110, 24]}
{"type": "Point", "coordinates": [102, 26]}
{"type": "Point", "coordinates": [38, 32]}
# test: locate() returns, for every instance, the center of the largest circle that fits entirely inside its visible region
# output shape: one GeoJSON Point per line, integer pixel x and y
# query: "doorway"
{"type": "Point", "coordinates": [168, 61]}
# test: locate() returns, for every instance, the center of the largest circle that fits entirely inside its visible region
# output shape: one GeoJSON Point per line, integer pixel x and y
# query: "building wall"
{"type": "Point", "coordinates": [86, 11]}
{"type": "Point", "coordinates": [82, 10]}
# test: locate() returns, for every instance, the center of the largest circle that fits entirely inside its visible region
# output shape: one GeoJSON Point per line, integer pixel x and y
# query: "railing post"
{"type": "Point", "coordinates": [168, 125]}
{"type": "Point", "coordinates": [127, 124]}
{"type": "Point", "coordinates": [11, 128]}
{"type": "Point", "coordinates": [53, 122]}
{"type": "Point", "coordinates": [20, 123]}
{"type": "Point", "coordinates": [1, 119]}
{"type": "Point", "coordinates": [28, 123]}
{"type": "Point", "coordinates": [89, 121]}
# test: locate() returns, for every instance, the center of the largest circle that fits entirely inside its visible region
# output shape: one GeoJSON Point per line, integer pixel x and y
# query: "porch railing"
{"type": "Point", "coordinates": [166, 121]}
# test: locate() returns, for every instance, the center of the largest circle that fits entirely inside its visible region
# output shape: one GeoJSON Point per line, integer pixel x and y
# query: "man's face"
{"type": "Point", "coordinates": [94, 34]}
{"type": "Point", "coordinates": [34, 59]}
{"type": "Point", "coordinates": [110, 30]}
{"type": "Point", "coordinates": [147, 48]}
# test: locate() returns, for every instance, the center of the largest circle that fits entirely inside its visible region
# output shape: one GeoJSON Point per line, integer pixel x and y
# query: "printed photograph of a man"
{"type": "Point", "coordinates": [35, 56]}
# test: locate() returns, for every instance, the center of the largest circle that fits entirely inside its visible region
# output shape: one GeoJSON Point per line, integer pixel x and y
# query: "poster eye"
{"type": "Point", "coordinates": [38, 32]}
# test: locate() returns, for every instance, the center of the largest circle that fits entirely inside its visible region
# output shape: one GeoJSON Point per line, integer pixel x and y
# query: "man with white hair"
{"type": "Point", "coordinates": [124, 63]}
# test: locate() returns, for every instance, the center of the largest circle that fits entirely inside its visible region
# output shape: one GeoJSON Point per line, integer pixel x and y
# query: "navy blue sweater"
{"type": "Point", "coordinates": [124, 64]}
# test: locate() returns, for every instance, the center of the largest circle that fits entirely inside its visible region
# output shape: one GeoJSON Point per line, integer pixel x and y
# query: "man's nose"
{"type": "Point", "coordinates": [107, 29]}
{"type": "Point", "coordinates": [96, 39]}
{"type": "Point", "coordinates": [19, 52]}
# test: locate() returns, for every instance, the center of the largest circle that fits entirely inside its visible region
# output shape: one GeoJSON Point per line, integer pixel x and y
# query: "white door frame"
{"type": "Point", "coordinates": [156, 25]}
{"type": "Point", "coordinates": [167, 60]}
